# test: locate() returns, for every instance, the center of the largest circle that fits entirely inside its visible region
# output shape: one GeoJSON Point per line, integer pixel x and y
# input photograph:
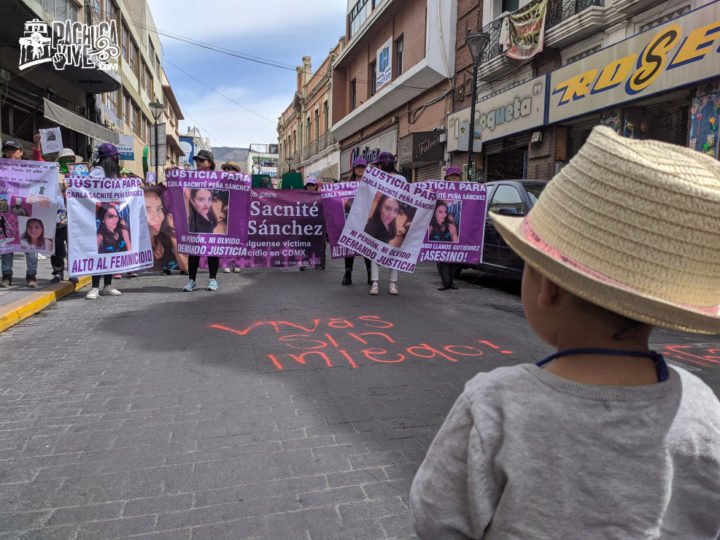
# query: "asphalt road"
{"type": "Point", "coordinates": [282, 406]}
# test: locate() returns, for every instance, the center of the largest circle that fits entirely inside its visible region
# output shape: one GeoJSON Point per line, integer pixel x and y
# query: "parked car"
{"type": "Point", "coordinates": [510, 198]}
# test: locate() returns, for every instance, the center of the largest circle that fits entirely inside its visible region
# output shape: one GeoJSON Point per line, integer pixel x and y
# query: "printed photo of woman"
{"type": "Point", "coordinates": [389, 220]}
{"type": "Point", "coordinates": [33, 239]}
{"type": "Point", "coordinates": [443, 227]}
{"type": "Point", "coordinates": [220, 199]}
{"type": "Point", "coordinates": [113, 235]}
{"type": "Point", "coordinates": [201, 215]}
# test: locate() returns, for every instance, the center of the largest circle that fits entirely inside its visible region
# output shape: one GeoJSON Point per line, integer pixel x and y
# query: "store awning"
{"type": "Point", "coordinates": [64, 117]}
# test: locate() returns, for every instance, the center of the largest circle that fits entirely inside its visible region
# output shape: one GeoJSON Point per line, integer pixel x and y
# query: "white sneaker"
{"type": "Point", "coordinates": [190, 286]}
{"type": "Point", "coordinates": [227, 270]}
{"type": "Point", "coordinates": [393, 288]}
{"type": "Point", "coordinates": [236, 270]}
{"type": "Point", "coordinates": [213, 285]}
{"type": "Point", "coordinates": [375, 290]}
{"type": "Point", "coordinates": [92, 294]}
{"type": "Point", "coordinates": [111, 291]}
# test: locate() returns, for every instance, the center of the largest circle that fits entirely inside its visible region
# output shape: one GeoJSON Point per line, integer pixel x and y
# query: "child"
{"type": "Point", "coordinates": [602, 439]}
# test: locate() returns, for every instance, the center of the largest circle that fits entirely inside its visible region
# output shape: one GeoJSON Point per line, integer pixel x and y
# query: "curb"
{"type": "Point", "coordinates": [18, 311]}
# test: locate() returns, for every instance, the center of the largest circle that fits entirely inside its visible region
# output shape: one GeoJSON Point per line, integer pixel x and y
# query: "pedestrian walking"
{"type": "Point", "coordinates": [228, 264]}
{"type": "Point", "coordinates": [358, 170]}
{"type": "Point", "coordinates": [13, 150]}
{"type": "Point", "coordinates": [601, 439]}
{"type": "Point", "coordinates": [107, 165]}
{"type": "Point", "coordinates": [383, 224]}
{"type": "Point", "coordinates": [202, 220]}
{"type": "Point", "coordinates": [443, 228]}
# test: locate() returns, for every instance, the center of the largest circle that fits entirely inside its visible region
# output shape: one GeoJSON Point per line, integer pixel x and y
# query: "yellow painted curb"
{"type": "Point", "coordinates": [20, 310]}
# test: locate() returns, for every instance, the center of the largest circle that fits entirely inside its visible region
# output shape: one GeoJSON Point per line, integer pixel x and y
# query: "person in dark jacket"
{"type": "Point", "coordinates": [358, 169]}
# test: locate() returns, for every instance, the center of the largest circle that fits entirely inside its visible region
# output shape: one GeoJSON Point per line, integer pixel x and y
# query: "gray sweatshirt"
{"type": "Point", "coordinates": [527, 455]}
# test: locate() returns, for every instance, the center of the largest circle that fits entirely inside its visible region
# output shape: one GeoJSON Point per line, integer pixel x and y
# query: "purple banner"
{"type": "Point", "coordinates": [210, 211]}
{"type": "Point", "coordinates": [286, 230]}
{"type": "Point", "coordinates": [337, 200]}
{"type": "Point", "coordinates": [457, 228]}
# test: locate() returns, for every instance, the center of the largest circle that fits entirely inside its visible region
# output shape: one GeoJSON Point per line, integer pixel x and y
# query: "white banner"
{"type": "Point", "coordinates": [108, 226]}
{"type": "Point", "coordinates": [28, 206]}
{"type": "Point", "coordinates": [388, 220]}
{"type": "Point", "coordinates": [383, 65]}
{"type": "Point", "coordinates": [51, 140]}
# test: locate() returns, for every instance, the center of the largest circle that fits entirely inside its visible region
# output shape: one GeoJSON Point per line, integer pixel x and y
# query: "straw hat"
{"type": "Point", "coordinates": [632, 226]}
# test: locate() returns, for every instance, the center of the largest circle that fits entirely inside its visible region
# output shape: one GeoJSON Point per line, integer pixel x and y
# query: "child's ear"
{"type": "Point", "coordinates": [549, 292]}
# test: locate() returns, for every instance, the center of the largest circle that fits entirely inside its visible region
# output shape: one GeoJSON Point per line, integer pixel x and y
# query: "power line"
{"type": "Point", "coordinates": [218, 92]}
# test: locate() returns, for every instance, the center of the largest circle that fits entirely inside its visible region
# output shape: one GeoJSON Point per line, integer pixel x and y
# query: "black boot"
{"type": "Point", "coordinates": [347, 278]}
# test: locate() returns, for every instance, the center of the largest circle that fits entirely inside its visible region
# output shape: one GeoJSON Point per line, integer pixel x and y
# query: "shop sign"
{"type": "Point", "coordinates": [675, 54]}
{"type": "Point", "coordinates": [369, 149]}
{"type": "Point", "coordinates": [126, 147]}
{"type": "Point", "coordinates": [422, 146]}
{"type": "Point", "coordinates": [518, 109]}
{"type": "Point", "coordinates": [383, 65]}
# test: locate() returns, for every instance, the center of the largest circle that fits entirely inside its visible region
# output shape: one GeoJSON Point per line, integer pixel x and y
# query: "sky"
{"type": "Point", "coordinates": [236, 102]}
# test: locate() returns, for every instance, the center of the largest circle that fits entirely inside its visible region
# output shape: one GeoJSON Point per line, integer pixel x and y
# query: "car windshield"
{"type": "Point", "coordinates": [534, 190]}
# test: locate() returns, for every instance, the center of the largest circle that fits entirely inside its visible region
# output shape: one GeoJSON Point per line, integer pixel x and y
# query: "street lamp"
{"type": "Point", "coordinates": [290, 162]}
{"type": "Point", "coordinates": [476, 42]}
{"type": "Point", "coordinates": [157, 108]}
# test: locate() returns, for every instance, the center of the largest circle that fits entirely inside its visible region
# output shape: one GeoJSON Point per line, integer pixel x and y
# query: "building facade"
{"type": "Point", "coordinates": [534, 114]}
{"type": "Point", "coordinates": [41, 96]}
{"type": "Point", "coordinates": [392, 84]}
{"type": "Point", "coordinates": [304, 128]}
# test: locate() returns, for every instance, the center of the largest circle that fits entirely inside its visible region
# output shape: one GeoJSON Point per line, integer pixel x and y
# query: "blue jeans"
{"type": "Point", "coordinates": [31, 261]}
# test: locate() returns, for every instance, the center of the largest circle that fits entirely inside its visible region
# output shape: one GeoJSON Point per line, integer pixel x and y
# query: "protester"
{"type": "Point", "coordinates": [228, 263]}
{"type": "Point", "coordinates": [601, 439]}
{"type": "Point", "coordinates": [311, 184]}
{"type": "Point", "coordinates": [444, 229]}
{"type": "Point", "coordinates": [204, 161]}
{"type": "Point", "coordinates": [107, 165]}
{"type": "Point", "coordinates": [386, 163]}
{"type": "Point", "coordinates": [13, 150]}
{"type": "Point", "coordinates": [358, 170]}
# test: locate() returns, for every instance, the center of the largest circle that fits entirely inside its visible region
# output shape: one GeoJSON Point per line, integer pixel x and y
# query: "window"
{"type": "Point", "coordinates": [399, 44]}
{"type": "Point", "coordinates": [317, 123]}
{"type": "Point", "coordinates": [359, 14]}
{"type": "Point", "coordinates": [124, 41]}
{"type": "Point", "coordinates": [353, 94]}
{"type": "Point", "coordinates": [148, 82]}
{"type": "Point", "coordinates": [142, 75]}
{"type": "Point", "coordinates": [134, 61]}
{"type": "Point", "coordinates": [61, 10]}
{"type": "Point", "coordinates": [128, 110]}
{"type": "Point", "coordinates": [506, 197]}
{"type": "Point", "coordinates": [510, 5]}
{"type": "Point", "coordinates": [110, 11]}
{"type": "Point", "coordinates": [308, 129]}
{"type": "Point", "coordinates": [326, 117]}
{"type": "Point", "coordinates": [372, 70]}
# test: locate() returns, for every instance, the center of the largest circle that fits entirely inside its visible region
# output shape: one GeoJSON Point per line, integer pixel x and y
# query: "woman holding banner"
{"type": "Point", "coordinates": [106, 166]}
{"type": "Point", "coordinates": [358, 165]}
{"type": "Point", "coordinates": [202, 220]}
{"type": "Point", "coordinates": [444, 229]}
{"type": "Point", "coordinates": [383, 224]}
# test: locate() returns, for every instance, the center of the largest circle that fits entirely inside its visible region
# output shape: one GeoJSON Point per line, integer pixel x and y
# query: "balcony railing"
{"type": "Point", "coordinates": [318, 145]}
{"type": "Point", "coordinates": [558, 11]}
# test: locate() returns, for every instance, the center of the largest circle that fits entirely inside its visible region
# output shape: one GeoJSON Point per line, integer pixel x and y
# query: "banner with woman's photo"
{"type": "Point", "coordinates": [457, 227]}
{"type": "Point", "coordinates": [388, 220]}
{"type": "Point", "coordinates": [210, 211]}
{"type": "Point", "coordinates": [107, 226]}
{"type": "Point", "coordinates": [28, 206]}
{"type": "Point", "coordinates": [286, 230]}
{"type": "Point", "coordinates": [337, 201]}
{"type": "Point", "coordinates": [161, 225]}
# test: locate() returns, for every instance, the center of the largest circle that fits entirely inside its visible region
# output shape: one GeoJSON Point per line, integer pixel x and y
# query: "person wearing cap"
{"type": "Point", "coordinates": [442, 228]}
{"type": "Point", "coordinates": [602, 439]}
{"type": "Point", "coordinates": [311, 184]}
{"type": "Point", "coordinates": [386, 163]}
{"type": "Point", "coordinates": [204, 161]}
{"type": "Point", "coordinates": [358, 170]}
{"type": "Point", "coordinates": [228, 264]}
{"type": "Point", "coordinates": [107, 165]}
{"type": "Point", "coordinates": [13, 150]}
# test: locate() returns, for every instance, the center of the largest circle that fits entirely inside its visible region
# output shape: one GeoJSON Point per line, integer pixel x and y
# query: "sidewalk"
{"type": "Point", "coordinates": [20, 302]}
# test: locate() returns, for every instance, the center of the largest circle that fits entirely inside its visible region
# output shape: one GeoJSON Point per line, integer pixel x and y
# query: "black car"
{"type": "Point", "coordinates": [510, 198]}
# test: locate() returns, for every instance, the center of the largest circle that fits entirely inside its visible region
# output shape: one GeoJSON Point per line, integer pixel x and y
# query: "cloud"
{"type": "Point", "coordinates": [226, 124]}
{"type": "Point", "coordinates": [268, 19]}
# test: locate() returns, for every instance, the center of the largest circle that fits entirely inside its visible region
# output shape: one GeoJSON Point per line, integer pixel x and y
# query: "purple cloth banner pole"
{"type": "Point", "coordinates": [337, 200]}
{"type": "Point", "coordinates": [210, 211]}
{"type": "Point", "coordinates": [286, 230]}
{"type": "Point", "coordinates": [457, 228]}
